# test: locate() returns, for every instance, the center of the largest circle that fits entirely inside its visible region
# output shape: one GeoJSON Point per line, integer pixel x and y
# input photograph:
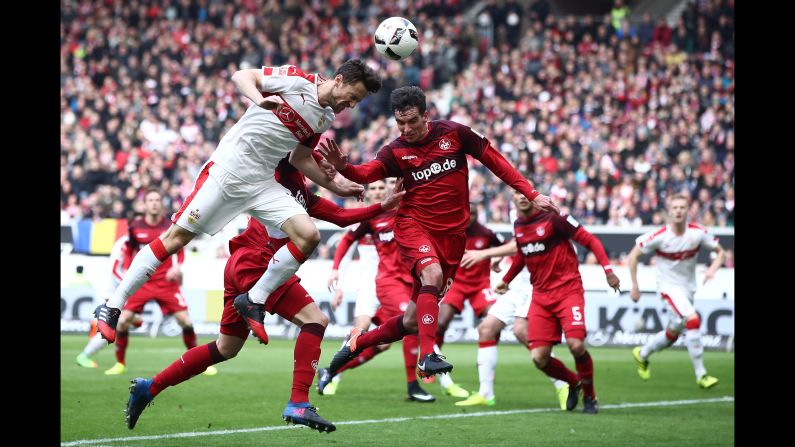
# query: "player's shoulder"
{"type": "Point", "coordinates": [696, 227]}
{"type": "Point", "coordinates": [650, 236]}
{"type": "Point", "coordinates": [292, 72]}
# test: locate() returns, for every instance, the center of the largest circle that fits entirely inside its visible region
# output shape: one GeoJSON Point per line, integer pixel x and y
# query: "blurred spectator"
{"type": "Point", "coordinates": [613, 116]}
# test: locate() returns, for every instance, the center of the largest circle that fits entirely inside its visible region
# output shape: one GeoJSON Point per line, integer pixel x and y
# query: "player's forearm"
{"type": "Point", "coordinates": [507, 173]}
{"type": "Point", "coordinates": [342, 248]}
{"type": "Point", "coordinates": [719, 259]}
{"type": "Point", "coordinates": [506, 249]}
{"type": "Point", "coordinates": [632, 263]}
{"type": "Point", "coordinates": [302, 159]}
{"type": "Point", "coordinates": [517, 264]}
{"type": "Point", "coordinates": [330, 212]}
{"type": "Point", "coordinates": [364, 173]}
{"type": "Point", "coordinates": [591, 242]}
{"type": "Point", "coordinates": [246, 83]}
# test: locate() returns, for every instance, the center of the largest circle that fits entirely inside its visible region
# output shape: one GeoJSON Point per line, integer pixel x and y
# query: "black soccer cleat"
{"type": "Point", "coordinates": [416, 393]}
{"type": "Point", "coordinates": [138, 401]}
{"type": "Point", "coordinates": [433, 364]}
{"type": "Point", "coordinates": [590, 405]}
{"type": "Point", "coordinates": [346, 353]}
{"type": "Point", "coordinates": [107, 319]}
{"type": "Point", "coordinates": [254, 316]}
{"type": "Point", "coordinates": [574, 396]}
{"type": "Point", "coordinates": [304, 413]}
{"type": "Point", "coordinates": [324, 377]}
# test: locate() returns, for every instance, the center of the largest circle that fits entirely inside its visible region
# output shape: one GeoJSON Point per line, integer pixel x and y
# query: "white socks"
{"type": "Point", "coordinates": [487, 364]}
{"type": "Point", "coordinates": [143, 266]}
{"type": "Point", "coordinates": [696, 350]}
{"type": "Point", "coordinates": [280, 269]}
{"type": "Point", "coordinates": [655, 344]}
{"type": "Point", "coordinates": [95, 344]}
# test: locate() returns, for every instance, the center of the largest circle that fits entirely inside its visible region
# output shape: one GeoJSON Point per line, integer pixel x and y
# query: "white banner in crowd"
{"type": "Point", "coordinates": [611, 319]}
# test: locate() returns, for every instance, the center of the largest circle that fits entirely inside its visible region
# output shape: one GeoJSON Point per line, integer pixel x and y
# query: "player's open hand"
{"type": "Point", "coordinates": [332, 280]}
{"type": "Point", "coordinates": [271, 102]}
{"type": "Point", "coordinates": [545, 203]}
{"type": "Point", "coordinates": [495, 265]}
{"type": "Point", "coordinates": [392, 200]}
{"type": "Point", "coordinates": [501, 288]}
{"type": "Point", "coordinates": [470, 258]}
{"type": "Point", "coordinates": [347, 189]}
{"type": "Point", "coordinates": [634, 293]}
{"type": "Point", "coordinates": [337, 300]}
{"type": "Point", "coordinates": [613, 280]}
{"type": "Point", "coordinates": [333, 154]}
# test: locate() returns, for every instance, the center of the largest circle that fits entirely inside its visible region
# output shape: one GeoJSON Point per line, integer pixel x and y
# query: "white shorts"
{"type": "Point", "coordinates": [366, 300]}
{"type": "Point", "coordinates": [218, 197]}
{"type": "Point", "coordinates": [515, 303]}
{"type": "Point", "coordinates": [680, 305]}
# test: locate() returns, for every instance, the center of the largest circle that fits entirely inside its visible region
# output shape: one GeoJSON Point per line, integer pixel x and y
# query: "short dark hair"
{"type": "Point", "coordinates": [407, 97]}
{"type": "Point", "coordinates": [356, 70]}
{"type": "Point", "coordinates": [151, 190]}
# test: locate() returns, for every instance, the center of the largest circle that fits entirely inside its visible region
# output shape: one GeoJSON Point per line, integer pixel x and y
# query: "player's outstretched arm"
{"type": "Point", "coordinates": [593, 243]}
{"type": "Point", "coordinates": [301, 158]}
{"type": "Point", "coordinates": [365, 173]}
{"type": "Point", "coordinates": [472, 257]}
{"type": "Point", "coordinates": [508, 174]}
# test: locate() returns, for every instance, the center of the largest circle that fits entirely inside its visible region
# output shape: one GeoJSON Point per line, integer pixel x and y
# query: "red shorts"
{"type": "Point", "coordinates": [479, 298]}
{"type": "Point", "coordinates": [394, 296]}
{"type": "Point", "coordinates": [166, 293]}
{"type": "Point", "coordinates": [562, 309]}
{"type": "Point", "coordinates": [243, 269]}
{"type": "Point", "coordinates": [419, 248]}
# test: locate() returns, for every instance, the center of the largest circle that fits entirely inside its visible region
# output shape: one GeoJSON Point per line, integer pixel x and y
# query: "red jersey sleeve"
{"type": "Point", "coordinates": [329, 211]}
{"type": "Point", "coordinates": [517, 264]}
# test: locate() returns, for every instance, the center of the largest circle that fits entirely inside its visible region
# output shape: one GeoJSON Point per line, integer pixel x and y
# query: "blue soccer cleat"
{"type": "Point", "coordinates": [303, 413]}
{"type": "Point", "coordinates": [139, 399]}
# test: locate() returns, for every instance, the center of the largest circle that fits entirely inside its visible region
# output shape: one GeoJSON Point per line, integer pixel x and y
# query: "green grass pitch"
{"type": "Point", "coordinates": [242, 405]}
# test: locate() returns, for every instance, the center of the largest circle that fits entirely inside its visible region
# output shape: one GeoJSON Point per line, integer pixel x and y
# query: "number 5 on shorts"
{"type": "Point", "coordinates": [575, 311]}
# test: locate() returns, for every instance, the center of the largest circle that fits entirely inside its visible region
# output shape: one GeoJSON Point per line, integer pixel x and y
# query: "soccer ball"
{"type": "Point", "coordinates": [396, 38]}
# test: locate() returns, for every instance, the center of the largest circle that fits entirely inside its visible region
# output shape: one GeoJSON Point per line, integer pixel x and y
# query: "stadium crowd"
{"type": "Point", "coordinates": [608, 120]}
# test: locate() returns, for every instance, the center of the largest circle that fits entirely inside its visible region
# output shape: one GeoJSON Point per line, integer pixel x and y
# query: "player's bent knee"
{"type": "Point", "coordinates": [693, 321]}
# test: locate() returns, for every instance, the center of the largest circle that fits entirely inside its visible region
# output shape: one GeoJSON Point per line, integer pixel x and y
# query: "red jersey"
{"type": "Point", "coordinates": [382, 229]}
{"type": "Point", "coordinates": [436, 175]}
{"type": "Point", "coordinates": [546, 251]}
{"type": "Point", "coordinates": [478, 276]}
{"type": "Point", "coordinates": [140, 234]}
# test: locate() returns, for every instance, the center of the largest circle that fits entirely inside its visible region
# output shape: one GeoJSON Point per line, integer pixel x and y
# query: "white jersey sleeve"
{"type": "Point", "coordinates": [275, 80]}
{"type": "Point", "coordinates": [708, 240]}
{"type": "Point", "coordinates": [651, 241]}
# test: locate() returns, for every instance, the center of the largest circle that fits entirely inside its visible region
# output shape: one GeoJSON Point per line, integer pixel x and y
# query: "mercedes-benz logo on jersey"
{"type": "Point", "coordinates": [427, 319]}
{"type": "Point", "coordinates": [424, 249]}
{"type": "Point", "coordinates": [286, 113]}
{"type": "Point", "coordinates": [540, 231]}
{"type": "Point", "coordinates": [445, 144]}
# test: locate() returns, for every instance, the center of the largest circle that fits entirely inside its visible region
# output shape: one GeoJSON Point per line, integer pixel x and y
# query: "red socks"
{"type": "Point", "coordinates": [193, 362]}
{"type": "Point", "coordinates": [427, 318]}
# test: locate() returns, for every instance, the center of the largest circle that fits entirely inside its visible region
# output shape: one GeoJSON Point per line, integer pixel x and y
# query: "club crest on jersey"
{"type": "Point", "coordinates": [424, 249]}
{"type": "Point", "coordinates": [478, 244]}
{"type": "Point", "coordinates": [194, 216]}
{"type": "Point", "coordinates": [540, 231]}
{"type": "Point", "coordinates": [444, 144]}
{"type": "Point", "coordinates": [427, 319]}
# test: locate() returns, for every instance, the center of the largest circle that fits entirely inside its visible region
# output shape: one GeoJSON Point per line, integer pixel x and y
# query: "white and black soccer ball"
{"type": "Point", "coordinates": [396, 38]}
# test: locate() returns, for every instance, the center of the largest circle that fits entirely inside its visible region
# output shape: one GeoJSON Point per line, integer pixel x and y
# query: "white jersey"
{"type": "Point", "coordinates": [676, 254]}
{"type": "Point", "coordinates": [261, 138]}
